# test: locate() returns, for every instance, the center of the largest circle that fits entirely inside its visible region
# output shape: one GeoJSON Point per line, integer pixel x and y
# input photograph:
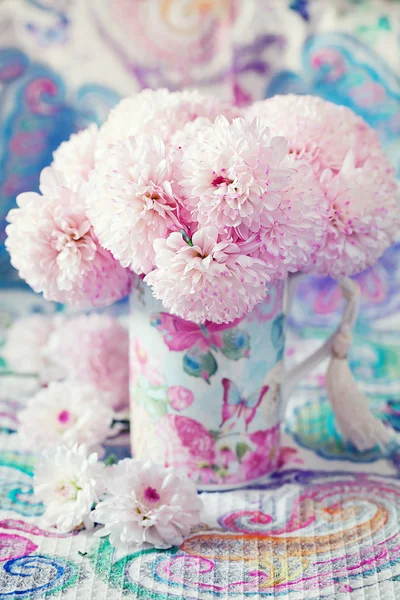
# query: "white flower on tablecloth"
{"type": "Point", "coordinates": [69, 482]}
{"type": "Point", "coordinates": [147, 505]}
{"type": "Point", "coordinates": [67, 412]}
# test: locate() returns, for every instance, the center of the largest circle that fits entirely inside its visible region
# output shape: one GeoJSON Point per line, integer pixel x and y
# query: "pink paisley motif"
{"type": "Point", "coordinates": [270, 307]}
{"type": "Point", "coordinates": [17, 525]}
{"type": "Point", "coordinates": [39, 95]}
{"type": "Point", "coordinates": [14, 546]}
{"type": "Point", "coordinates": [28, 143]}
{"type": "Point", "coordinates": [368, 94]}
{"type": "Point", "coordinates": [333, 59]}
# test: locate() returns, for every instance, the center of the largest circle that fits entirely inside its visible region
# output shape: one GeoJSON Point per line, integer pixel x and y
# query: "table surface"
{"type": "Point", "coordinates": [325, 526]}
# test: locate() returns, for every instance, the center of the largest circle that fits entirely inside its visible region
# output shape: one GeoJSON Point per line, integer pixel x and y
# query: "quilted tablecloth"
{"type": "Point", "coordinates": [325, 526]}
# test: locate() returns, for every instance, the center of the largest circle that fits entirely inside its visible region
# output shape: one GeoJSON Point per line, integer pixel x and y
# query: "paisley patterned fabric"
{"type": "Point", "coordinates": [325, 524]}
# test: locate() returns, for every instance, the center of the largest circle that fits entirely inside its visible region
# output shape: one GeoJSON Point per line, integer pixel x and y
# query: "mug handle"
{"type": "Point", "coordinates": [353, 417]}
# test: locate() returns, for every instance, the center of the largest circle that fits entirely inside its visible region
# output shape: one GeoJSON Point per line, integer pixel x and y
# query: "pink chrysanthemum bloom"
{"type": "Point", "coordinates": [206, 279]}
{"type": "Point", "coordinates": [53, 246]}
{"type": "Point", "coordinates": [74, 158]}
{"type": "Point", "coordinates": [158, 111]}
{"type": "Point", "coordinates": [94, 349]}
{"type": "Point", "coordinates": [231, 175]}
{"type": "Point", "coordinates": [363, 219]}
{"type": "Point", "coordinates": [296, 228]}
{"type": "Point", "coordinates": [147, 505]}
{"type": "Point", "coordinates": [321, 132]}
{"type": "Point", "coordinates": [131, 201]}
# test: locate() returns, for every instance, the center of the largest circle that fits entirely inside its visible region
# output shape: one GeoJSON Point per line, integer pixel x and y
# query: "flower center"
{"type": "Point", "coordinates": [220, 179]}
{"type": "Point", "coordinates": [64, 416]}
{"type": "Point", "coordinates": [68, 490]}
{"type": "Point", "coordinates": [151, 495]}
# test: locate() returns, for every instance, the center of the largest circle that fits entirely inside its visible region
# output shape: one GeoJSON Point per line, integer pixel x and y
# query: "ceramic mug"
{"type": "Point", "coordinates": [208, 398]}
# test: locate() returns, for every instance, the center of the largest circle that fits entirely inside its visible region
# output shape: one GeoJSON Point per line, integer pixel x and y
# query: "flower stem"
{"type": "Point", "coordinates": [186, 237]}
{"type": "Point", "coordinates": [15, 374]}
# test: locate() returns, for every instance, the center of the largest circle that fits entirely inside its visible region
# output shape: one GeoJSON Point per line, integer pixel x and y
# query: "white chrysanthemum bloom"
{"type": "Point", "coordinates": [25, 341]}
{"type": "Point", "coordinates": [66, 412]}
{"type": "Point", "coordinates": [147, 505]}
{"type": "Point", "coordinates": [131, 201]}
{"type": "Point", "coordinates": [206, 279]}
{"type": "Point", "coordinates": [297, 228]}
{"type": "Point", "coordinates": [363, 219]}
{"type": "Point", "coordinates": [74, 158]}
{"type": "Point", "coordinates": [232, 174]}
{"type": "Point", "coordinates": [69, 482]}
{"type": "Point", "coordinates": [158, 111]}
{"type": "Point", "coordinates": [53, 246]}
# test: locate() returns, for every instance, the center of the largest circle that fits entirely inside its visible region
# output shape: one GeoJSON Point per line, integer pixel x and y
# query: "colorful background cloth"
{"type": "Point", "coordinates": [327, 525]}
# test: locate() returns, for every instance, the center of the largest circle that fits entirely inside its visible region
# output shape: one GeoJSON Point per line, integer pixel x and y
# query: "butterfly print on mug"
{"type": "Point", "coordinates": [236, 406]}
{"type": "Point", "coordinates": [200, 343]}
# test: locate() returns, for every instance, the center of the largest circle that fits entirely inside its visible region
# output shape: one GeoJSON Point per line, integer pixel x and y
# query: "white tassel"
{"type": "Point", "coordinates": [350, 405]}
{"type": "Point", "coordinates": [354, 419]}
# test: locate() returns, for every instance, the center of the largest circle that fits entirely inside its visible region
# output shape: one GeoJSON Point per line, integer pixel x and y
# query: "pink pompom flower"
{"type": "Point", "coordinates": [320, 132]}
{"type": "Point", "coordinates": [206, 279]}
{"type": "Point", "coordinates": [363, 219]}
{"type": "Point", "coordinates": [93, 349]}
{"type": "Point", "coordinates": [231, 174]}
{"type": "Point", "coordinates": [158, 111]}
{"type": "Point", "coordinates": [147, 505]}
{"type": "Point", "coordinates": [53, 246]}
{"type": "Point", "coordinates": [131, 200]}
{"type": "Point", "coordinates": [74, 158]}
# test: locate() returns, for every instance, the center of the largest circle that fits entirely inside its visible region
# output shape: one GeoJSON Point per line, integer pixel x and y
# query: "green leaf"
{"type": "Point", "coordinates": [236, 344]}
{"type": "Point", "coordinates": [200, 364]}
{"type": "Point", "coordinates": [241, 449]}
{"type": "Point", "coordinates": [215, 433]}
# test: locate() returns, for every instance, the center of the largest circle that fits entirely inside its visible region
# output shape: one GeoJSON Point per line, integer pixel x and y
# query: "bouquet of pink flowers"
{"type": "Point", "coordinates": [208, 203]}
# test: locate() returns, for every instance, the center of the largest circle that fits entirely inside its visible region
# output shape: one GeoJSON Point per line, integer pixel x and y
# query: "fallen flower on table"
{"type": "Point", "coordinates": [147, 505]}
{"type": "Point", "coordinates": [69, 482]}
{"type": "Point", "coordinates": [66, 412]}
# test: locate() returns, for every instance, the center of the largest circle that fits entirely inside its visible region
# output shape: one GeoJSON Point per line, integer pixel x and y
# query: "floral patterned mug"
{"type": "Point", "coordinates": [208, 398]}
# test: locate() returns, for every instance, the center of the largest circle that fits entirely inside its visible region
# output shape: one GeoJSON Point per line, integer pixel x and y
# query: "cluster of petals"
{"type": "Point", "coordinates": [158, 111]}
{"type": "Point", "coordinates": [93, 349]}
{"type": "Point", "coordinates": [208, 202]}
{"type": "Point", "coordinates": [66, 412]}
{"type": "Point", "coordinates": [68, 481]}
{"type": "Point", "coordinates": [147, 505]}
{"type": "Point", "coordinates": [232, 173]}
{"type": "Point", "coordinates": [53, 246]}
{"type": "Point", "coordinates": [363, 219]}
{"type": "Point", "coordinates": [206, 278]}
{"type": "Point", "coordinates": [320, 132]}
{"type": "Point", "coordinates": [353, 171]}
{"type": "Point", "coordinates": [131, 201]}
